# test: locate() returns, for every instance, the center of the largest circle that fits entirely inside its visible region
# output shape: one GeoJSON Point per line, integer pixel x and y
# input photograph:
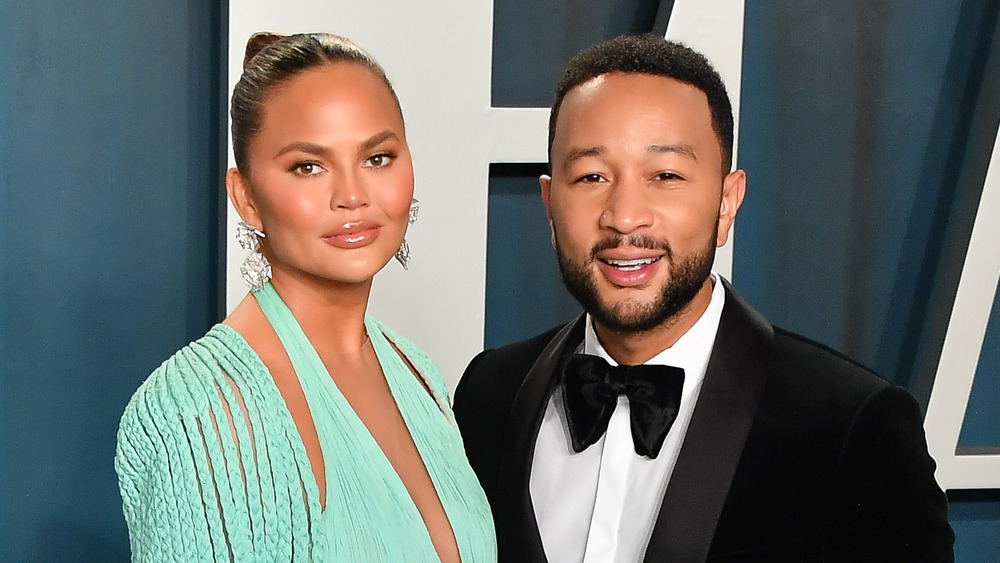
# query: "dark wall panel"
{"type": "Point", "coordinates": [981, 429]}
{"type": "Point", "coordinates": [524, 294]}
{"type": "Point", "coordinates": [110, 169]}
{"type": "Point", "coordinates": [855, 125]}
{"type": "Point", "coordinates": [866, 130]}
{"type": "Point", "coordinates": [533, 41]}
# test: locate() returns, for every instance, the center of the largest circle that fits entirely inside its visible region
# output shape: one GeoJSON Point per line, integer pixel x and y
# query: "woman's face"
{"type": "Point", "coordinates": [330, 175]}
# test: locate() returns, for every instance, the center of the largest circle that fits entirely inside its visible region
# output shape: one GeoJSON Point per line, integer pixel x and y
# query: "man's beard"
{"type": "Point", "coordinates": [686, 276]}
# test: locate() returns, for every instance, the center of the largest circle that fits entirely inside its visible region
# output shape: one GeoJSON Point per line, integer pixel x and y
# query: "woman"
{"type": "Point", "coordinates": [299, 428]}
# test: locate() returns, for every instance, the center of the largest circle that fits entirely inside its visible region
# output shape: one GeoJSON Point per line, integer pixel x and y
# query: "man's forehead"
{"type": "Point", "coordinates": [662, 111]}
{"type": "Point", "coordinates": [619, 91]}
{"type": "Point", "coordinates": [614, 78]}
{"type": "Point", "coordinates": [623, 92]}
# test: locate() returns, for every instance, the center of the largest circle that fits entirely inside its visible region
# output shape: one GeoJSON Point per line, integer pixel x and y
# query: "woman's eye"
{"type": "Point", "coordinates": [378, 160]}
{"type": "Point", "coordinates": [307, 169]}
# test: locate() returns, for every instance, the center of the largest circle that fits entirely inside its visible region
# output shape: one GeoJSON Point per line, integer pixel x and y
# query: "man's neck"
{"type": "Point", "coordinates": [634, 348]}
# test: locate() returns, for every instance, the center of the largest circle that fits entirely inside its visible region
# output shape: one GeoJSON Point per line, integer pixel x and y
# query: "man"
{"type": "Point", "coordinates": [736, 440]}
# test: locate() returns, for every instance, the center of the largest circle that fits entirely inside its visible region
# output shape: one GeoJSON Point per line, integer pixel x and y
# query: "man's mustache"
{"type": "Point", "coordinates": [636, 240]}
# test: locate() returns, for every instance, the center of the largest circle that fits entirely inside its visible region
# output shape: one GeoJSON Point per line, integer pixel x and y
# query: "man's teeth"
{"type": "Point", "coordinates": [631, 265]}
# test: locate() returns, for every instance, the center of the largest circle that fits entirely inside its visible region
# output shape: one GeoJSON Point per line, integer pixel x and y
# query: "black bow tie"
{"type": "Point", "coordinates": [592, 387]}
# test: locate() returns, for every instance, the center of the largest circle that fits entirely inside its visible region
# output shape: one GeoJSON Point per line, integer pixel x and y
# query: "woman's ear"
{"type": "Point", "coordinates": [238, 188]}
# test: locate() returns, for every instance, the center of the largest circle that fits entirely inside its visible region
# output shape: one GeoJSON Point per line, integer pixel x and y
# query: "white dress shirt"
{"type": "Point", "coordinates": [599, 505]}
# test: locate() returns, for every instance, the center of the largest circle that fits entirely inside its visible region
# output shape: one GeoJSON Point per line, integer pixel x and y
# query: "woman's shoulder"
{"type": "Point", "coordinates": [189, 381]}
{"type": "Point", "coordinates": [413, 352]}
{"type": "Point", "coordinates": [214, 355]}
{"type": "Point", "coordinates": [416, 355]}
{"type": "Point", "coordinates": [188, 441]}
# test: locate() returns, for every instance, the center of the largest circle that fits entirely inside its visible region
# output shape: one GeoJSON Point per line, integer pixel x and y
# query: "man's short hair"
{"type": "Point", "coordinates": [650, 54]}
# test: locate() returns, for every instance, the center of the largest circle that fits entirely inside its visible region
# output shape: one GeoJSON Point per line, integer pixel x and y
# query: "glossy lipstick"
{"type": "Point", "coordinates": [354, 234]}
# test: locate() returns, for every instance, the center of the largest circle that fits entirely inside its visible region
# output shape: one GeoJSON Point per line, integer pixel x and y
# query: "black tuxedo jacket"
{"type": "Point", "coordinates": [794, 453]}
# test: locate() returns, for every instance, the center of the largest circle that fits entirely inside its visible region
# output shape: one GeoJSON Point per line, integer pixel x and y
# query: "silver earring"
{"type": "Point", "coordinates": [414, 211]}
{"type": "Point", "coordinates": [256, 270]}
{"type": "Point", "coordinates": [403, 254]}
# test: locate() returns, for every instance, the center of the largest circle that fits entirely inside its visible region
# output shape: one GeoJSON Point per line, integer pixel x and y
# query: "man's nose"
{"type": "Point", "coordinates": [627, 208]}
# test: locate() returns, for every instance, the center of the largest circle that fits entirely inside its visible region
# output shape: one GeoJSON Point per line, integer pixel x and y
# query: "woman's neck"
{"type": "Point", "coordinates": [330, 313]}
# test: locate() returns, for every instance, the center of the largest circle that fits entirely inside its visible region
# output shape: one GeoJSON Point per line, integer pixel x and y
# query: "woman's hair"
{"type": "Point", "coordinates": [272, 59]}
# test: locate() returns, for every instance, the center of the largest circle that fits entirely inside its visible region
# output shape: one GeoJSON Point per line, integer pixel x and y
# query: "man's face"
{"type": "Point", "coordinates": [637, 198]}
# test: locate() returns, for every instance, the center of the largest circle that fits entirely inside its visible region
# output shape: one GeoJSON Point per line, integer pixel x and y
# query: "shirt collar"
{"type": "Point", "coordinates": [691, 352]}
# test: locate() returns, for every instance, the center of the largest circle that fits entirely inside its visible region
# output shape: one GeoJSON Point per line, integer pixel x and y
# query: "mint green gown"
{"type": "Point", "coordinates": [211, 466]}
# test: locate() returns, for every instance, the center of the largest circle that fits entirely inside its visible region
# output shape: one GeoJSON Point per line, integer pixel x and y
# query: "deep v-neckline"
{"type": "Point", "coordinates": [324, 398]}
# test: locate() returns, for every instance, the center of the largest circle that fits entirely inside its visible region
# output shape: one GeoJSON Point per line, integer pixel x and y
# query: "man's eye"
{"type": "Point", "coordinates": [667, 176]}
{"type": "Point", "coordinates": [379, 160]}
{"type": "Point", "coordinates": [589, 178]}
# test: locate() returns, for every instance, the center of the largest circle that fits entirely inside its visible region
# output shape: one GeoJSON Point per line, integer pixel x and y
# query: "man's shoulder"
{"type": "Point", "coordinates": [516, 354]}
{"type": "Point", "coordinates": [845, 448]}
{"type": "Point", "coordinates": [817, 377]}
{"type": "Point", "coordinates": [502, 369]}
{"type": "Point", "coordinates": [794, 349]}
{"type": "Point", "coordinates": [484, 398]}
{"type": "Point", "coordinates": [793, 354]}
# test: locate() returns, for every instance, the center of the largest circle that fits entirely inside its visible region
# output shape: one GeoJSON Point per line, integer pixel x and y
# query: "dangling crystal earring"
{"type": "Point", "coordinates": [403, 254]}
{"type": "Point", "coordinates": [256, 270]}
{"type": "Point", "coordinates": [414, 211]}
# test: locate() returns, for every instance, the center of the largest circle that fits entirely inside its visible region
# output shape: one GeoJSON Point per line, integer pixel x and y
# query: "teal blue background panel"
{"type": "Point", "coordinates": [975, 517]}
{"type": "Point", "coordinates": [981, 429]}
{"type": "Point", "coordinates": [524, 293]}
{"type": "Point", "coordinates": [111, 155]}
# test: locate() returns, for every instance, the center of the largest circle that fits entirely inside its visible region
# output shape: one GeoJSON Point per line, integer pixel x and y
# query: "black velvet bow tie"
{"type": "Point", "coordinates": [592, 387]}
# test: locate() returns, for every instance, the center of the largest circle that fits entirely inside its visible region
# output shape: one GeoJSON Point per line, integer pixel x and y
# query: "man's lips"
{"type": "Point", "coordinates": [629, 264]}
{"type": "Point", "coordinates": [628, 271]}
{"type": "Point", "coordinates": [353, 235]}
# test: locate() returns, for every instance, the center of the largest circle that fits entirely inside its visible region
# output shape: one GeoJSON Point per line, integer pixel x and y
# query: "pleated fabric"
{"type": "Point", "coordinates": [211, 466]}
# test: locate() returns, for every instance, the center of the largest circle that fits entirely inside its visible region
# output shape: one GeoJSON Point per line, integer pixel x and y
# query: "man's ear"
{"type": "Point", "coordinates": [238, 188]}
{"type": "Point", "coordinates": [545, 182]}
{"type": "Point", "coordinates": [734, 187]}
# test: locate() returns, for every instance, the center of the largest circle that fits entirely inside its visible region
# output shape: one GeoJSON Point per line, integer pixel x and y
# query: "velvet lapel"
{"type": "Point", "coordinates": [518, 535]}
{"type": "Point", "coordinates": [726, 407]}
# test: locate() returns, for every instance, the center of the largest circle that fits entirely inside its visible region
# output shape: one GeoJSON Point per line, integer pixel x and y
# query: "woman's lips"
{"type": "Point", "coordinates": [353, 235]}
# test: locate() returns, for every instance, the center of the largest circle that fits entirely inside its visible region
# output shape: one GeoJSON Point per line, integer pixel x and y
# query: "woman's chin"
{"type": "Point", "coordinates": [348, 278]}
{"type": "Point", "coordinates": [319, 278]}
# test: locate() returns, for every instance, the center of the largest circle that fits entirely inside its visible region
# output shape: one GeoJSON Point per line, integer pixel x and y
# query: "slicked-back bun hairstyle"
{"type": "Point", "coordinates": [272, 59]}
